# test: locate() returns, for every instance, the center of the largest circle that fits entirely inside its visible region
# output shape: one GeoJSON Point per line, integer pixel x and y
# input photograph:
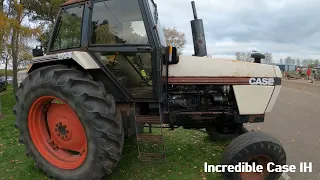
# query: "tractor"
{"type": "Point", "coordinates": [108, 73]}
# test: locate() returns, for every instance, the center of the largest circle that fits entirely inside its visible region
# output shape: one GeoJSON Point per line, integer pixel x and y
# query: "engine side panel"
{"type": "Point", "coordinates": [252, 99]}
{"type": "Point", "coordinates": [276, 91]}
{"type": "Point", "coordinates": [191, 66]}
{"type": "Point", "coordinates": [273, 99]}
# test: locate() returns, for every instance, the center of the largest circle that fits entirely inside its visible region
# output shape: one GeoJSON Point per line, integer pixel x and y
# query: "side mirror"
{"type": "Point", "coordinates": [257, 57]}
{"type": "Point", "coordinates": [171, 55]}
{"type": "Point", "coordinates": [37, 52]}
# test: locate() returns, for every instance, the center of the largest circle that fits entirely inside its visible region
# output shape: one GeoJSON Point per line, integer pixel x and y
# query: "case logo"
{"type": "Point", "coordinates": [262, 81]}
{"type": "Point", "coordinates": [67, 55]}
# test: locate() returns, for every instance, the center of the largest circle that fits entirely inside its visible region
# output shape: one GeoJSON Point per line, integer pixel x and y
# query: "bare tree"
{"type": "Point", "coordinates": [298, 62]}
{"type": "Point", "coordinates": [288, 60]}
{"type": "Point", "coordinates": [242, 56]}
{"type": "Point", "coordinates": [305, 62]}
{"type": "Point", "coordinates": [238, 56]}
{"type": "Point", "coordinates": [268, 58]}
{"type": "Point", "coordinates": [175, 38]}
{"type": "Point", "coordinates": [247, 57]}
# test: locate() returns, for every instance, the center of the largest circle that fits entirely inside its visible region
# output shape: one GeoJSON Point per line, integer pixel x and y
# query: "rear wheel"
{"type": "Point", "coordinates": [68, 123]}
{"type": "Point", "coordinates": [254, 147]}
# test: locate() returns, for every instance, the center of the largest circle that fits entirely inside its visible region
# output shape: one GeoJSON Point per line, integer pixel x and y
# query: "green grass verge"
{"type": "Point", "coordinates": [186, 153]}
{"type": "Point", "coordinates": [3, 72]}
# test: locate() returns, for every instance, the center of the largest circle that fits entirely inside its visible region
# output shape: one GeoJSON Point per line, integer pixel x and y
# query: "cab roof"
{"type": "Point", "coordinates": [72, 2]}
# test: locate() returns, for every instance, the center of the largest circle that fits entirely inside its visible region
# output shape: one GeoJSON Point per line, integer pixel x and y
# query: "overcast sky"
{"type": "Point", "coordinates": [281, 27]}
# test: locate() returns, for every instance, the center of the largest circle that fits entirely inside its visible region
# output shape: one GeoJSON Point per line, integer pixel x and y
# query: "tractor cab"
{"type": "Point", "coordinates": [124, 38]}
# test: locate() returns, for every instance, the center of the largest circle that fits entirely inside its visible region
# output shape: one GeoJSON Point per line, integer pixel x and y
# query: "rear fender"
{"type": "Point", "coordinates": [81, 58]}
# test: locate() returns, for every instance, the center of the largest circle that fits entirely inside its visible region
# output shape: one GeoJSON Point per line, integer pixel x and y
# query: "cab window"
{"type": "Point", "coordinates": [68, 33]}
{"type": "Point", "coordinates": [117, 22]}
{"type": "Point", "coordinates": [132, 70]}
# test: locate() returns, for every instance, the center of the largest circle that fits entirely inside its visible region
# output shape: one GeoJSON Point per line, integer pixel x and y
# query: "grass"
{"type": "Point", "coordinates": [186, 153]}
{"type": "Point", "coordinates": [3, 72]}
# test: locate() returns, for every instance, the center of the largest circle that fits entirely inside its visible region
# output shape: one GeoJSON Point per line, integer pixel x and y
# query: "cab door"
{"type": "Point", "coordinates": [122, 41]}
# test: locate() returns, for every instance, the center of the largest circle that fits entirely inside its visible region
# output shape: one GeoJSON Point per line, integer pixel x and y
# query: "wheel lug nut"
{"type": "Point", "coordinates": [62, 137]}
{"type": "Point", "coordinates": [60, 123]}
{"type": "Point", "coordinates": [65, 126]}
{"type": "Point", "coordinates": [67, 132]}
{"type": "Point", "coordinates": [57, 125]}
{"type": "Point", "coordinates": [66, 136]}
{"type": "Point", "coordinates": [58, 134]}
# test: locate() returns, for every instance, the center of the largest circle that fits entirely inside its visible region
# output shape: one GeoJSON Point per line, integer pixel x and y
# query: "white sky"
{"type": "Point", "coordinates": [281, 27]}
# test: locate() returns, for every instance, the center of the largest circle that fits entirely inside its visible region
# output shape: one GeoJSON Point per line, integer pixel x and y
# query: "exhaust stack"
{"type": "Point", "coordinates": [199, 40]}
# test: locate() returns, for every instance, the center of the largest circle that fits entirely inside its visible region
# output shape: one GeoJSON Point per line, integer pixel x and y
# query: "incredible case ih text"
{"type": "Point", "coordinates": [108, 73]}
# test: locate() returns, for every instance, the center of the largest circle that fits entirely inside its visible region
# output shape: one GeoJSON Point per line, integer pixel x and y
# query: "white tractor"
{"type": "Point", "coordinates": [108, 73]}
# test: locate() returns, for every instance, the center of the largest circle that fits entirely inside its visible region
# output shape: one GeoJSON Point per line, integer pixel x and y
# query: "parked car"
{"type": "Point", "coordinates": [3, 84]}
{"type": "Point", "coordinates": [9, 80]}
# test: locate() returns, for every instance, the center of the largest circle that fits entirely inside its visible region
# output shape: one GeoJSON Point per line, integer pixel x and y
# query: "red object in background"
{"type": "Point", "coordinates": [309, 72]}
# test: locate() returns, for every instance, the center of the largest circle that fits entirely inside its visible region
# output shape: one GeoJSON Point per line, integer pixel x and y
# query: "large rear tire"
{"type": "Point", "coordinates": [258, 147]}
{"type": "Point", "coordinates": [68, 124]}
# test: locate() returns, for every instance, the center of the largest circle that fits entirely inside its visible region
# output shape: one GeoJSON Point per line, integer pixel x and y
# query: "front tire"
{"type": "Point", "coordinates": [61, 111]}
{"type": "Point", "coordinates": [258, 147]}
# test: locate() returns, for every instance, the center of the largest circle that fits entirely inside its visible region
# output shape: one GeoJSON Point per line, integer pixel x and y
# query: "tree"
{"type": "Point", "coordinates": [281, 61]}
{"type": "Point", "coordinates": [247, 57]}
{"type": "Point", "coordinates": [305, 62]}
{"type": "Point", "coordinates": [13, 30]}
{"type": "Point", "coordinates": [298, 62]}
{"type": "Point", "coordinates": [242, 56]}
{"type": "Point", "coordinates": [24, 55]}
{"type": "Point", "coordinates": [288, 60]}
{"type": "Point", "coordinates": [268, 58]}
{"type": "Point", "coordinates": [175, 38]}
{"type": "Point", "coordinates": [238, 56]}
{"type": "Point", "coordinates": [44, 12]}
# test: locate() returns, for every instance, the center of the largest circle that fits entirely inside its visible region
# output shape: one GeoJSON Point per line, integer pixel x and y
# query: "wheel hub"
{"type": "Point", "coordinates": [61, 131]}
{"type": "Point", "coordinates": [258, 160]}
{"type": "Point", "coordinates": [59, 136]}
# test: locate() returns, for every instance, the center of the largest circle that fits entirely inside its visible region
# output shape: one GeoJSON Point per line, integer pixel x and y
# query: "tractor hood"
{"type": "Point", "coordinates": [192, 66]}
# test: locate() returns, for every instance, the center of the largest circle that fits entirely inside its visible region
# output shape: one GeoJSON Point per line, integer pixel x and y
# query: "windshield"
{"type": "Point", "coordinates": [117, 22]}
{"type": "Point", "coordinates": [156, 21]}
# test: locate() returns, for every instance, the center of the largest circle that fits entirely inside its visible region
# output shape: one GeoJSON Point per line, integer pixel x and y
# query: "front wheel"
{"type": "Point", "coordinates": [68, 124]}
{"type": "Point", "coordinates": [255, 148]}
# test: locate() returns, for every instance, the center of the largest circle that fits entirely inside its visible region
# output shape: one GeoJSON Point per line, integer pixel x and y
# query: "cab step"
{"type": "Point", "coordinates": [150, 138]}
{"type": "Point", "coordinates": [148, 119]}
{"type": "Point", "coordinates": [149, 157]}
{"type": "Point", "coordinates": [151, 146]}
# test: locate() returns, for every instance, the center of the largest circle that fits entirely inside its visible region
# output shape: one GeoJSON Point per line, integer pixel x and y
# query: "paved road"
{"type": "Point", "coordinates": [295, 121]}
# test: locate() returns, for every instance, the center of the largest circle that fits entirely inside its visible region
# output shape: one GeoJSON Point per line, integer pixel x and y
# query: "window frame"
{"type": "Point", "coordinates": [55, 31]}
{"type": "Point", "coordinates": [154, 47]}
{"type": "Point", "coordinates": [117, 45]}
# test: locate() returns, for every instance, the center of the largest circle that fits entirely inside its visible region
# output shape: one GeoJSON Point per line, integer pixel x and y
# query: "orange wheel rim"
{"type": "Point", "coordinates": [261, 160]}
{"type": "Point", "coordinates": [57, 133]}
